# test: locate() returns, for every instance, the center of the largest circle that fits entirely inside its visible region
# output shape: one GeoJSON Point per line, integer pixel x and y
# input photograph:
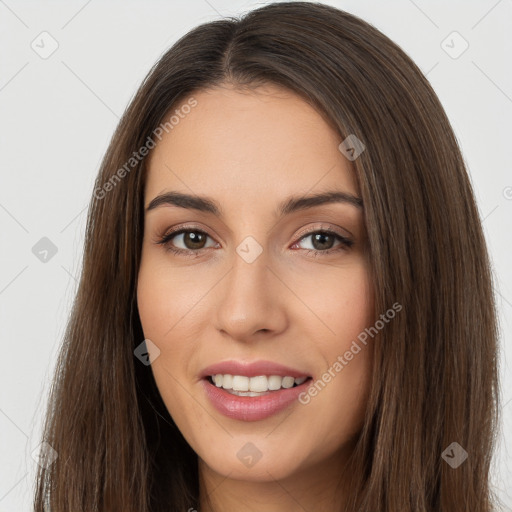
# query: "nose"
{"type": "Point", "coordinates": [251, 301]}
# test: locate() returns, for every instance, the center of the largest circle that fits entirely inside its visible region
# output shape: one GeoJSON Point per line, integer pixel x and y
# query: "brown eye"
{"type": "Point", "coordinates": [324, 242]}
{"type": "Point", "coordinates": [191, 240]}
{"type": "Point", "coordinates": [194, 239]}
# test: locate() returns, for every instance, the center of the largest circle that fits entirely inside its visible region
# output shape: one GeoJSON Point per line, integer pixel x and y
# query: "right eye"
{"type": "Point", "coordinates": [193, 240]}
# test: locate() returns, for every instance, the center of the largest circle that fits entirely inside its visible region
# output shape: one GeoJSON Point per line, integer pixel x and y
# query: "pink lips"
{"type": "Point", "coordinates": [245, 408]}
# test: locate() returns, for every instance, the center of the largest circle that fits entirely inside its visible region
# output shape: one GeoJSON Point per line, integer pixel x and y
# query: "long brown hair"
{"type": "Point", "coordinates": [435, 366]}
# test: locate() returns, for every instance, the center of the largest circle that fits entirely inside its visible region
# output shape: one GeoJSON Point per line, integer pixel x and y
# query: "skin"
{"type": "Point", "coordinates": [249, 150]}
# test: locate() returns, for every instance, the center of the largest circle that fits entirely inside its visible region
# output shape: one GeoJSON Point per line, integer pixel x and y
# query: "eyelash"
{"type": "Point", "coordinates": [345, 244]}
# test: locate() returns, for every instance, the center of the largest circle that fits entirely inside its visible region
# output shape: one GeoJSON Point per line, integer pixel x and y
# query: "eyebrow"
{"type": "Point", "coordinates": [290, 205]}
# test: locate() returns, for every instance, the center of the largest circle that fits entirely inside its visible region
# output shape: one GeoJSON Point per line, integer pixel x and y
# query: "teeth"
{"type": "Point", "coordinates": [259, 383]}
{"type": "Point", "coordinates": [300, 380]}
{"type": "Point", "coordinates": [245, 393]}
{"type": "Point", "coordinates": [227, 381]}
{"type": "Point", "coordinates": [252, 386]}
{"type": "Point", "coordinates": [288, 382]}
{"type": "Point", "coordinates": [240, 383]}
{"type": "Point", "coordinates": [274, 382]}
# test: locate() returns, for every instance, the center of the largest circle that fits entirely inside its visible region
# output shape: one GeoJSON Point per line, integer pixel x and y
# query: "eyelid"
{"type": "Point", "coordinates": [185, 227]}
{"type": "Point", "coordinates": [168, 235]}
{"type": "Point", "coordinates": [306, 231]}
{"type": "Point", "coordinates": [323, 227]}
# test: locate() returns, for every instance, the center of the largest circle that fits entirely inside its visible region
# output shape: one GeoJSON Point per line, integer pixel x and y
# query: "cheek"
{"type": "Point", "coordinates": [166, 299]}
{"type": "Point", "coordinates": [162, 304]}
{"type": "Point", "coordinates": [171, 315]}
{"type": "Point", "coordinates": [159, 303]}
{"type": "Point", "coordinates": [345, 307]}
{"type": "Point", "coordinates": [341, 301]}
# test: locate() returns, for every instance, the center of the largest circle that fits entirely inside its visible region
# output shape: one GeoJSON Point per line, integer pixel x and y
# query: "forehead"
{"type": "Point", "coordinates": [246, 146]}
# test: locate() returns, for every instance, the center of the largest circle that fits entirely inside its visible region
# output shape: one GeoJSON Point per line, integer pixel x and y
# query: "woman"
{"type": "Point", "coordinates": [285, 300]}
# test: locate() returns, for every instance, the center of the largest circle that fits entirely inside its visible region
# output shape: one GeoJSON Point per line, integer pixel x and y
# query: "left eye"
{"type": "Point", "coordinates": [323, 241]}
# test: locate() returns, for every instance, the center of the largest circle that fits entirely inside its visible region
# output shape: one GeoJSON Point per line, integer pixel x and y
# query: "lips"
{"type": "Point", "coordinates": [253, 369]}
{"type": "Point", "coordinates": [252, 406]}
{"type": "Point", "coordinates": [247, 408]}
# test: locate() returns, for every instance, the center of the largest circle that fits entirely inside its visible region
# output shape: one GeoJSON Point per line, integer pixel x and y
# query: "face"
{"type": "Point", "coordinates": [252, 284]}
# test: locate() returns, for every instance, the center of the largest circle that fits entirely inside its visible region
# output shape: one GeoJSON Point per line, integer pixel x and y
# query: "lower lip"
{"type": "Point", "coordinates": [252, 408]}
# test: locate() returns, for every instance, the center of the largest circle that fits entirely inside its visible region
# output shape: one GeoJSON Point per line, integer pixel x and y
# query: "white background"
{"type": "Point", "coordinates": [57, 116]}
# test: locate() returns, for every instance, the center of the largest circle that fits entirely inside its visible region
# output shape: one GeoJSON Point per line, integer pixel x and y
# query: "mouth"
{"type": "Point", "coordinates": [260, 385]}
{"type": "Point", "coordinates": [255, 398]}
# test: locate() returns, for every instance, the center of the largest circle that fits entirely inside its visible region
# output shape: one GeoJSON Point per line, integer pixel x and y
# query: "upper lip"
{"type": "Point", "coordinates": [251, 369]}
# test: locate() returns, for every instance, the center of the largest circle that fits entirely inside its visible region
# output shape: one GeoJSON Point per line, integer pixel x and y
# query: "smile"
{"type": "Point", "coordinates": [254, 405]}
{"type": "Point", "coordinates": [242, 385]}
